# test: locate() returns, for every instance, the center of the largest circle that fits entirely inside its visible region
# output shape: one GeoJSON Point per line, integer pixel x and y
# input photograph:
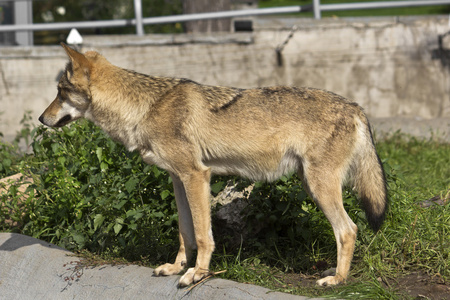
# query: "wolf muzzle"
{"type": "Point", "coordinates": [63, 121]}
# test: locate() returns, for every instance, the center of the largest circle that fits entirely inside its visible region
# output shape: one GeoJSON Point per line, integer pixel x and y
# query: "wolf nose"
{"type": "Point", "coordinates": [41, 119]}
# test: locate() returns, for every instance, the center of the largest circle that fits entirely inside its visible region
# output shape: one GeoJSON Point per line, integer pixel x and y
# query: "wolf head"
{"type": "Point", "coordinates": [74, 97]}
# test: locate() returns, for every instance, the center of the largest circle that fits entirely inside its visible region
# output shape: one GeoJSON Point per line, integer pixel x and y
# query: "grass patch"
{"type": "Point", "coordinates": [424, 164]}
{"type": "Point", "coordinates": [89, 194]}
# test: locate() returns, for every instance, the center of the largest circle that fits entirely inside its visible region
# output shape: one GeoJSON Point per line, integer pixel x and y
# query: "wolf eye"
{"type": "Point", "coordinates": [62, 96]}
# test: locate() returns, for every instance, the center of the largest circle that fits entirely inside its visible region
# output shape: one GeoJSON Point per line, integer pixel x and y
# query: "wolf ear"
{"type": "Point", "coordinates": [79, 61]}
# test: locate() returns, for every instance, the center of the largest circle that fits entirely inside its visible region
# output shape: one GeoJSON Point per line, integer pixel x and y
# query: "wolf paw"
{"type": "Point", "coordinates": [168, 269]}
{"type": "Point", "coordinates": [193, 275]}
{"type": "Point", "coordinates": [330, 280]}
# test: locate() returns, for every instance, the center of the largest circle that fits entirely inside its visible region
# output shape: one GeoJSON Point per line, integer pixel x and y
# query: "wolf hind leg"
{"type": "Point", "coordinates": [326, 190]}
{"type": "Point", "coordinates": [186, 232]}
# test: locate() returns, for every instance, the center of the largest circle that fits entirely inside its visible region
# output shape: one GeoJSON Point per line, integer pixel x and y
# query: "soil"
{"type": "Point", "coordinates": [412, 286]}
{"type": "Point", "coordinates": [421, 286]}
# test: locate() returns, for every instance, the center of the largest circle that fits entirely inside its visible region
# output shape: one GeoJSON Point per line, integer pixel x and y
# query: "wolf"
{"type": "Point", "coordinates": [194, 130]}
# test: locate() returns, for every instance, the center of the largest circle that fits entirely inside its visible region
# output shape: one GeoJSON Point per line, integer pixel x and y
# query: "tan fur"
{"type": "Point", "coordinates": [193, 131]}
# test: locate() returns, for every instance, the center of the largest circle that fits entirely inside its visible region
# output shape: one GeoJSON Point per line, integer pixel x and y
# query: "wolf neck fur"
{"type": "Point", "coordinates": [130, 92]}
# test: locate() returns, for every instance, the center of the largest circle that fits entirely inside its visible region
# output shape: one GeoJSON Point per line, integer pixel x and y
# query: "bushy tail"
{"type": "Point", "coordinates": [370, 181]}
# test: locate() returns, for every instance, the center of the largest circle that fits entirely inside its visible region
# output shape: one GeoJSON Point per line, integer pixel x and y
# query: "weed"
{"type": "Point", "coordinates": [12, 157]}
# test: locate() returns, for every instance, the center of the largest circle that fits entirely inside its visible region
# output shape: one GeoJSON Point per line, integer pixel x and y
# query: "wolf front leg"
{"type": "Point", "coordinates": [197, 189]}
{"type": "Point", "coordinates": [186, 232]}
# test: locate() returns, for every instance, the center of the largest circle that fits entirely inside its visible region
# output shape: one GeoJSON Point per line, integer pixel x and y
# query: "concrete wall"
{"type": "Point", "coordinates": [391, 66]}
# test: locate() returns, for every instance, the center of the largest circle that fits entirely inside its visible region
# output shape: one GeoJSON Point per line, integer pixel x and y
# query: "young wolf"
{"type": "Point", "coordinates": [193, 131]}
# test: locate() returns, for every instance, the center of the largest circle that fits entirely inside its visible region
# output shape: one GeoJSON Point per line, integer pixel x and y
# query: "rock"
{"type": "Point", "coordinates": [33, 269]}
{"type": "Point", "coordinates": [229, 206]}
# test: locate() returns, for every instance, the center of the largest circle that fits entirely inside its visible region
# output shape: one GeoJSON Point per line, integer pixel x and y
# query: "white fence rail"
{"type": "Point", "coordinates": [155, 20]}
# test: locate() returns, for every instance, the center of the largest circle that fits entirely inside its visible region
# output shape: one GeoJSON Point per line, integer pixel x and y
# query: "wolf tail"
{"type": "Point", "coordinates": [369, 179]}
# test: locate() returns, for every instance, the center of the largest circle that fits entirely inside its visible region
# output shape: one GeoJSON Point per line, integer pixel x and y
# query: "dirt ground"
{"type": "Point", "coordinates": [412, 286]}
{"type": "Point", "coordinates": [424, 287]}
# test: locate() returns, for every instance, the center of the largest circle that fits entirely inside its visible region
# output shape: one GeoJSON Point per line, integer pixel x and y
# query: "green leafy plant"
{"type": "Point", "coordinates": [93, 194]}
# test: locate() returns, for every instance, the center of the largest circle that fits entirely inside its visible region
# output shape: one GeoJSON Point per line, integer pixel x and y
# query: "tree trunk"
{"type": "Point", "coordinates": [200, 6]}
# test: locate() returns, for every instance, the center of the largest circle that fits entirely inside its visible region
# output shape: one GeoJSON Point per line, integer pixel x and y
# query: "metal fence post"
{"type": "Point", "coordinates": [23, 14]}
{"type": "Point", "coordinates": [316, 5]}
{"type": "Point", "coordinates": [138, 17]}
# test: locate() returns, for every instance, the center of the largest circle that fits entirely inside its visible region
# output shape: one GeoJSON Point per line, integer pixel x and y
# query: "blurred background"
{"type": "Point", "coordinates": [50, 11]}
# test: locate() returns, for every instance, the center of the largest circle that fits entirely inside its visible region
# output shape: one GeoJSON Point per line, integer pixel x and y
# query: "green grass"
{"type": "Point", "coordinates": [424, 164]}
{"type": "Point", "coordinates": [405, 11]}
{"type": "Point", "coordinates": [91, 195]}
